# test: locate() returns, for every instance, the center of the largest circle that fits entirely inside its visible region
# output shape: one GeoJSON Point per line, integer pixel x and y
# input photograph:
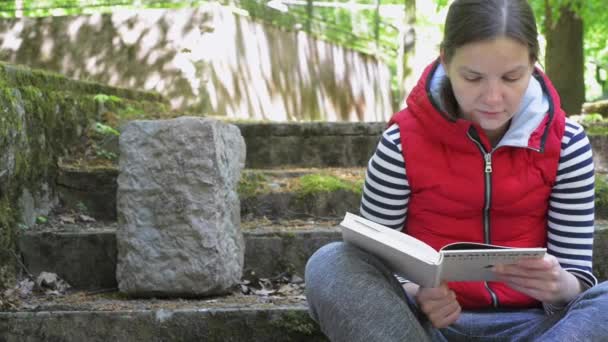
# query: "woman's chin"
{"type": "Point", "coordinates": [493, 125]}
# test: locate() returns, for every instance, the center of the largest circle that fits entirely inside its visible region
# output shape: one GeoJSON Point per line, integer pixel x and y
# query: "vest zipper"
{"type": "Point", "coordinates": [487, 156]}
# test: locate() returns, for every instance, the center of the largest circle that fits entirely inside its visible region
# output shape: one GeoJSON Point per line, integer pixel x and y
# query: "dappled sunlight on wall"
{"type": "Point", "coordinates": [291, 76]}
{"type": "Point", "coordinates": [207, 60]}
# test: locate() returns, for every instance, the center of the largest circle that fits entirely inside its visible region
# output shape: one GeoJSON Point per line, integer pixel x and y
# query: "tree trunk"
{"type": "Point", "coordinates": [564, 59]}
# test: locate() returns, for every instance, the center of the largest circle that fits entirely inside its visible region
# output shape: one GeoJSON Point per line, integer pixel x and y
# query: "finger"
{"type": "Point", "coordinates": [523, 275]}
{"type": "Point", "coordinates": [446, 315]}
{"type": "Point", "coordinates": [528, 271]}
{"type": "Point", "coordinates": [528, 284]}
{"type": "Point", "coordinates": [538, 294]}
{"type": "Point", "coordinates": [548, 261]}
{"type": "Point", "coordinates": [431, 306]}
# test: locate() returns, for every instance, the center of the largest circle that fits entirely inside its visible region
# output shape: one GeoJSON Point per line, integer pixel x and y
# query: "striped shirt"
{"type": "Point", "coordinates": [571, 208]}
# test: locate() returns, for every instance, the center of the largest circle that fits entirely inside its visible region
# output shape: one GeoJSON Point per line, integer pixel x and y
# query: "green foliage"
{"type": "Point", "coordinates": [41, 220]}
{"type": "Point", "coordinates": [105, 154]}
{"type": "Point", "coordinates": [341, 25]}
{"type": "Point", "coordinates": [44, 8]}
{"type": "Point", "coordinates": [595, 21]}
{"type": "Point", "coordinates": [130, 112]}
{"type": "Point", "coordinates": [441, 4]}
{"type": "Point", "coordinates": [105, 129]}
{"type": "Point", "coordinates": [103, 98]}
{"type": "Point", "coordinates": [592, 118]}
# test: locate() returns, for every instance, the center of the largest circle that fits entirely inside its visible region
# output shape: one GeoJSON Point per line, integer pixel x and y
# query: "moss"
{"type": "Point", "coordinates": [98, 165]}
{"type": "Point", "coordinates": [288, 237]}
{"type": "Point", "coordinates": [295, 322]}
{"type": "Point", "coordinates": [601, 192]}
{"type": "Point", "coordinates": [318, 183]}
{"type": "Point", "coordinates": [7, 241]}
{"type": "Point", "coordinates": [42, 117]}
{"type": "Point", "coordinates": [599, 128]}
{"type": "Point", "coordinates": [251, 184]}
{"type": "Point", "coordinates": [19, 76]}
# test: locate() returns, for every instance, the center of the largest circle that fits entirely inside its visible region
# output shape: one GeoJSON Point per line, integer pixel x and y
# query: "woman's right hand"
{"type": "Point", "coordinates": [439, 304]}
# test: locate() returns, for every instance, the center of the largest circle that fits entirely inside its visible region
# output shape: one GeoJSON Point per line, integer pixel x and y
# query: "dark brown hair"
{"type": "Point", "coordinates": [470, 21]}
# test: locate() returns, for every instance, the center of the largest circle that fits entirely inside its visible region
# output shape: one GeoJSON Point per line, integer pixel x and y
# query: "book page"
{"type": "Point", "coordinates": [472, 265]}
{"type": "Point", "coordinates": [403, 254]}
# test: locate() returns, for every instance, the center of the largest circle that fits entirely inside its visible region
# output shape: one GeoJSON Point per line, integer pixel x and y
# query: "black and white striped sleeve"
{"type": "Point", "coordinates": [571, 206]}
{"type": "Point", "coordinates": [386, 191]}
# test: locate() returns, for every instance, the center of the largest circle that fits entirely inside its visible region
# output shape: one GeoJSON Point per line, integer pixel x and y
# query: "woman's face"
{"type": "Point", "coordinates": [489, 79]}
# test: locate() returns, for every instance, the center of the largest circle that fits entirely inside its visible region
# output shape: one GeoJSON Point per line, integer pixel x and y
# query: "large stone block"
{"type": "Point", "coordinates": [178, 210]}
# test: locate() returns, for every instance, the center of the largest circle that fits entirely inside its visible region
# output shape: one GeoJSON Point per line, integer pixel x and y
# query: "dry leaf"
{"type": "Point", "coordinates": [296, 279]}
{"type": "Point", "coordinates": [67, 219]}
{"type": "Point", "coordinates": [86, 218]}
{"type": "Point", "coordinates": [264, 292]}
{"type": "Point", "coordinates": [288, 289]}
{"type": "Point", "coordinates": [48, 282]}
{"type": "Point", "coordinates": [245, 289]}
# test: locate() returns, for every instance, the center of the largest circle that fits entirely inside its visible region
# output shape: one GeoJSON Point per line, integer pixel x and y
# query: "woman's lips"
{"type": "Point", "coordinates": [490, 113]}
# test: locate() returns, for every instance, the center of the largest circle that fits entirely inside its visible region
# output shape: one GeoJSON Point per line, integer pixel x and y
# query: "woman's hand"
{"type": "Point", "coordinates": [439, 305]}
{"type": "Point", "coordinates": [543, 279]}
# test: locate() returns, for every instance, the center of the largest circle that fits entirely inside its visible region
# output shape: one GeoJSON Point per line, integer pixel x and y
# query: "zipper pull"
{"type": "Point", "coordinates": [488, 158]}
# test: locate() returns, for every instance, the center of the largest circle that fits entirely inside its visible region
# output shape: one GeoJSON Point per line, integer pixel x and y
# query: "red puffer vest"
{"type": "Point", "coordinates": [460, 192]}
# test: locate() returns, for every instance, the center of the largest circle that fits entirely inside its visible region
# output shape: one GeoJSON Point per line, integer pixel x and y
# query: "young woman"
{"type": "Point", "coordinates": [484, 153]}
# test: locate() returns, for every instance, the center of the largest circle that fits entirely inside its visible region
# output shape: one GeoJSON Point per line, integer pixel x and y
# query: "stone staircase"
{"type": "Point", "coordinates": [299, 181]}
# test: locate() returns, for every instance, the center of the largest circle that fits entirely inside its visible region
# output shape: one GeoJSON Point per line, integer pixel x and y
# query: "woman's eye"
{"type": "Point", "coordinates": [511, 79]}
{"type": "Point", "coordinates": [472, 78]}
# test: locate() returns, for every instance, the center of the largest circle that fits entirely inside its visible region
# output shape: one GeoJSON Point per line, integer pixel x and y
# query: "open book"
{"type": "Point", "coordinates": [423, 265]}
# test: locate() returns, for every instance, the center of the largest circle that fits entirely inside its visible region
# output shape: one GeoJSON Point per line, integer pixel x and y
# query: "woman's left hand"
{"type": "Point", "coordinates": [543, 279]}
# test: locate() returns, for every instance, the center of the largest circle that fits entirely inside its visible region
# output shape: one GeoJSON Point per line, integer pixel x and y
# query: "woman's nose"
{"type": "Point", "coordinates": [493, 93]}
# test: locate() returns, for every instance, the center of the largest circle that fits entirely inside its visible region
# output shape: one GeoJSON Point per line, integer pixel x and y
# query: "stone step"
{"type": "Point", "coordinates": [276, 194]}
{"type": "Point", "coordinates": [295, 193]}
{"type": "Point", "coordinates": [108, 317]}
{"type": "Point", "coordinates": [86, 259]}
{"type": "Point", "coordinates": [339, 144]}
{"type": "Point", "coordinates": [313, 144]}
{"type": "Point", "coordinates": [275, 145]}
{"type": "Point", "coordinates": [300, 193]}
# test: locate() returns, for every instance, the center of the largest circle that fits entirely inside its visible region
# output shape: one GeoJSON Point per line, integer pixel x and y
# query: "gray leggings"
{"type": "Point", "coordinates": [354, 297]}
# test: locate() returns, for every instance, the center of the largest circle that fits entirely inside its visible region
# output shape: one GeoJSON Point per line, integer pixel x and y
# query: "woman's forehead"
{"type": "Point", "coordinates": [497, 55]}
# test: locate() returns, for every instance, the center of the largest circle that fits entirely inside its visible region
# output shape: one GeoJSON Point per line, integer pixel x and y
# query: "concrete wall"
{"type": "Point", "coordinates": [207, 60]}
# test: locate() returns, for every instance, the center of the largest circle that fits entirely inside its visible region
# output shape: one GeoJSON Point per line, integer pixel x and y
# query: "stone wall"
{"type": "Point", "coordinates": [43, 115]}
{"type": "Point", "coordinates": [207, 60]}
